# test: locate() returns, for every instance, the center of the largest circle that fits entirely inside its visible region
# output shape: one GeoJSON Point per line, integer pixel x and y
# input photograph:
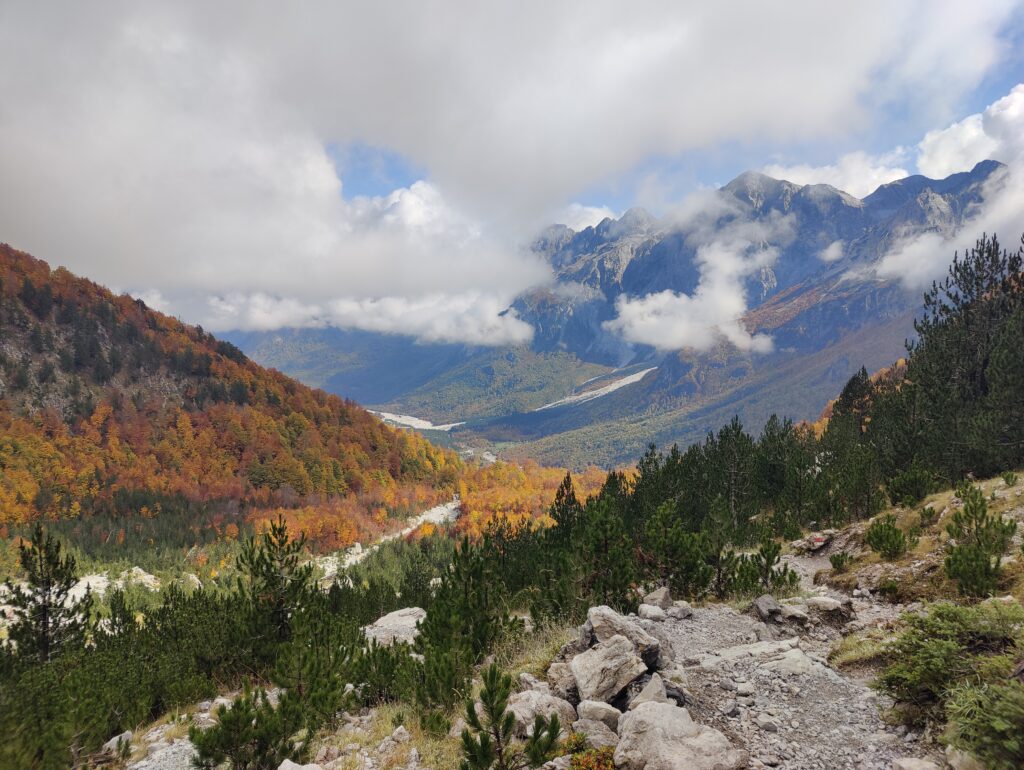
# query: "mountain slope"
{"type": "Point", "coordinates": [810, 286]}
{"type": "Point", "coordinates": [101, 397]}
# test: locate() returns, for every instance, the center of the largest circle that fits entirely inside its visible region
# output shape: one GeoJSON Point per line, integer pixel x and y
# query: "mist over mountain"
{"type": "Point", "coordinates": [762, 296]}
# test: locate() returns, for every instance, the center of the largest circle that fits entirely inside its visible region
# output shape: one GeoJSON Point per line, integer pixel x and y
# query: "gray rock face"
{"type": "Point", "coordinates": [598, 734]}
{"type": "Point", "coordinates": [661, 736]}
{"type": "Point", "coordinates": [659, 598]}
{"type": "Point", "coordinates": [599, 711]}
{"type": "Point", "coordinates": [603, 671]}
{"type": "Point", "coordinates": [767, 608]}
{"type": "Point", "coordinates": [562, 682]}
{"type": "Point", "coordinates": [397, 626]}
{"type": "Point", "coordinates": [529, 704]}
{"type": "Point", "coordinates": [607, 623]}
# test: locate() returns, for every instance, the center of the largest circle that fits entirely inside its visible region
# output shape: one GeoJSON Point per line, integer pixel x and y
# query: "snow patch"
{"type": "Point", "coordinates": [590, 395]}
{"type": "Point", "coordinates": [408, 421]}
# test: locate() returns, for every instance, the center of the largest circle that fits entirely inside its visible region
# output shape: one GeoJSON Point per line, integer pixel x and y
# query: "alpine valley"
{"type": "Point", "coordinates": [806, 258]}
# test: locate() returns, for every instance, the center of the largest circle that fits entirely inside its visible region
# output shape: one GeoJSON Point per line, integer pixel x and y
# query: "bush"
{"type": "Point", "coordinates": [1009, 478]}
{"type": "Point", "coordinates": [595, 759]}
{"type": "Point", "coordinates": [840, 562]}
{"type": "Point", "coordinates": [911, 486]}
{"type": "Point", "coordinates": [988, 722]}
{"type": "Point", "coordinates": [943, 647]}
{"type": "Point", "coordinates": [251, 735]}
{"type": "Point", "coordinates": [981, 540]}
{"type": "Point", "coordinates": [928, 516]}
{"type": "Point", "coordinates": [885, 538]}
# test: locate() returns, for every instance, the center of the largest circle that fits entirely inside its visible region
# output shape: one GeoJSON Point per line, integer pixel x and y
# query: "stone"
{"type": "Point", "coordinates": [558, 763]}
{"type": "Point", "coordinates": [766, 723]}
{"type": "Point", "coordinates": [607, 623]}
{"type": "Point", "coordinates": [401, 735]}
{"type": "Point", "coordinates": [795, 613]}
{"type": "Point", "coordinates": [599, 711]}
{"type": "Point", "coordinates": [767, 608]}
{"type": "Point", "coordinates": [651, 612]}
{"type": "Point", "coordinates": [660, 597]}
{"type": "Point", "coordinates": [529, 704]}
{"type": "Point", "coordinates": [791, 662]}
{"type": "Point", "coordinates": [605, 670]}
{"type": "Point", "coordinates": [961, 760]}
{"type": "Point", "coordinates": [730, 708]}
{"type": "Point", "coordinates": [562, 682]}
{"type": "Point", "coordinates": [909, 763]}
{"type": "Point", "coordinates": [114, 744]}
{"type": "Point", "coordinates": [398, 626]}
{"type": "Point", "coordinates": [598, 734]}
{"type": "Point", "coordinates": [530, 682]}
{"type": "Point", "coordinates": [680, 610]}
{"type": "Point", "coordinates": [289, 765]}
{"type": "Point", "coordinates": [653, 692]}
{"type": "Point", "coordinates": [662, 736]}
{"type": "Point", "coordinates": [744, 688]}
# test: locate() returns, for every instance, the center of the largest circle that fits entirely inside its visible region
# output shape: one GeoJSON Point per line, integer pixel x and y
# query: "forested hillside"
{"type": "Point", "coordinates": [112, 411]}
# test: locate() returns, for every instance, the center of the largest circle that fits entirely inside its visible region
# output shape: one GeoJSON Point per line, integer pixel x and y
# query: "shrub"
{"type": "Point", "coordinates": [928, 516]}
{"type": "Point", "coordinates": [840, 562]}
{"type": "Point", "coordinates": [1009, 478]}
{"type": "Point", "coordinates": [595, 759]}
{"type": "Point", "coordinates": [981, 540]}
{"type": "Point", "coordinates": [911, 486]}
{"type": "Point", "coordinates": [885, 538]}
{"type": "Point", "coordinates": [988, 722]}
{"type": "Point", "coordinates": [772, 574]}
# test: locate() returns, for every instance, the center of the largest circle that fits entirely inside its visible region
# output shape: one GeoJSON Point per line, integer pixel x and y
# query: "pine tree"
{"type": "Point", "coordinates": [48, 619]}
{"type": "Point", "coordinates": [677, 556]}
{"type": "Point", "coordinates": [608, 554]}
{"type": "Point", "coordinates": [488, 742]}
{"type": "Point", "coordinates": [981, 540]}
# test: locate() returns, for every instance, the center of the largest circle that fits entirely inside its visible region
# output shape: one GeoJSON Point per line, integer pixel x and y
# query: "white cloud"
{"type": "Point", "coordinates": [179, 147]}
{"type": "Point", "coordinates": [832, 252]}
{"type": "Point", "coordinates": [579, 217]}
{"type": "Point", "coordinates": [919, 261]}
{"type": "Point", "coordinates": [726, 254]}
{"type": "Point", "coordinates": [857, 173]}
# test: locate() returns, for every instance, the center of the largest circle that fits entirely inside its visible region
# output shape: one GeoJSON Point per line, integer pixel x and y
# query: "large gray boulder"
{"type": "Point", "coordinates": [653, 692]}
{"type": "Point", "coordinates": [562, 682]}
{"type": "Point", "coordinates": [661, 736]}
{"type": "Point", "coordinates": [397, 626]}
{"type": "Point", "coordinates": [598, 734]}
{"type": "Point", "coordinates": [607, 623]}
{"type": "Point", "coordinates": [606, 669]}
{"type": "Point", "coordinates": [529, 704]}
{"type": "Point", "coordinates": [599, 711]}
{"type": "Point", "coordinates": [659, 598]}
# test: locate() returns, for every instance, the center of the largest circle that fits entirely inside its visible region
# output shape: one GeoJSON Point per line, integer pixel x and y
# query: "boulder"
{"type": "Point", "coordinates": [599, 711]}
{"type": "Point", "coordinates": [558, 763]}
{"type": "Point", "coordinates": [397, 626]}
{"type": "Point", "coordinates": [562, 681]}
{"type": "Point", "coordinates": [529, 704]}
{"type": "Point", "coordinates": [767, 608]}
{"type": "Point", "coordinates": [289, 765]}
{"type": "Point", "coordinates": [914, 764]}
{"type": "Point", "coordinates": [653, 692]}
{"type": "Point", "coordinates": [598, 734]}
{"type": "Point", "coordinates": [605, 670]}
{"type": "Point", "coordinates": [791, 662]}
{"type": "Point", "coordinates": [528, 681]}
{"type": "Point", "coordinates": [661, 736]}
{"type": "Point", "coordinates": [659, 598]}
{"type": "Point", "coordinates": [680, 610]}
{"type": "Point", "coordinates": [114, 744]}
{"type": "Point", "coordinates": [651, 612]}
{"type": "Point", "coordinates": [607, 623]}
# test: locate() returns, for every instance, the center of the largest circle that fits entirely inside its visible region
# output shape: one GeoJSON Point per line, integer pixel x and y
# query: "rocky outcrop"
{"type": "Point", "coordinates": [607, 623]}
{"type": "Point", "coordinates": [398, 626]}
{"type": "Point", "coordinates": [662, 736]}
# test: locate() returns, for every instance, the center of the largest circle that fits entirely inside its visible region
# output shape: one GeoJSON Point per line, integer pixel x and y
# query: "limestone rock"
{"type": "Point", "coordinates": [661, 736]}
{"type": "Point", "coordinates": [914, 764]}
{"type": "Point", "coordinates": [289, 765]}
{"type": "Point", "coordinates": [680, 610]}
{"type": "Point", "coordinates": [607, 623]}
{"type": "Point", "coordinates": [114, 744]}
{"type": "Point", "coordinates": [599, 711]}
{"type": "Point", "coordinates": [653, 692]}
{"type": "Point", "coordinates": [397, 626]}
{"type": "Point", "coordinates": [651, 612]}
{"type": "Point", "coordinates": [562, 681]}
{"type": "Point", "coordinates": [605, 670]}
{"type": "Point", "coordinates": [529, 704]}
{"type": "Point", "coordinates": [659, 598]}
{"type": "Point", "coordinates": [598, 734]}
{"type": "Point", "coordinates": [767, 608]}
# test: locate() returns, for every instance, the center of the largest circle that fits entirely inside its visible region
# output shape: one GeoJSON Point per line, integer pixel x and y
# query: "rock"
{"type": "Point", "coordinates": [680, 610]}
{"type": "Point", "coordinates": [767, 608]}
{"type": "Point", "coordinates": [651, 612]}
{"type": "Point", "coordinates": [558, 763]}
{"type": "Point", "coordinates": [599, 711]}
{"type": "Point", "coordinates": [744, 688]}
{"type": "Point", "coordinates": [397, 626]}
{"type": "Point", "coordinates": [653, 692]}
{"type": "Point", "coordinates": [766, 723]}
{"type": "Point", "coordinates": [289, 765]}
{"type": "Point", "coordinates": [113, 746]}
{"type": "Point", "coordinates": [661, 736]}
{"type": "Point", "coordinates": [754, 650]}
{"type": "Point", "coordinates": [605, 670]}
{"type": "Point", "coordinates": [791, 662]}
{"type": "Point", "coordinates": [530, 682]}
{"type": "Point", "coordinates": [914, 764]}
{"type": "Point", "coordinates": [457, 727]}
{"type": "Point", "coordinates": [562, 682]}
{"type": "Point", "coordinates": [730, 708]}
{"type": "Point", "coordinates": [607, 623]}
{"type": "Point", "coordinates": [598, 734]}
{"type": "Point", "coordinates": [659, 598]}
{"type": "Point", "coordinates": [529, 704]}
{"type": "Point", "coordinates": [961, 760]}
{"type": "Point", "coordinates": [401, 735]}
{"type": "Point", "coordinates": [795, 613]}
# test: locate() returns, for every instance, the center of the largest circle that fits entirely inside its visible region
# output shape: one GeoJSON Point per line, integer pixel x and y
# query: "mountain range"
{"type": "Point", "coordinates": [592, 387]}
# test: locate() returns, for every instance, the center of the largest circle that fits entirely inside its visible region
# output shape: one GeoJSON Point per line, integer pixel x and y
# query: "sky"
{"type": "Point", "coordinates": [383, 166]}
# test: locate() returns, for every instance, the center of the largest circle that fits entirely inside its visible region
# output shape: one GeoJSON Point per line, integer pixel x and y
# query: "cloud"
{"type": "Point", "coordinates": [832, 252]}
{"type": "Point", "coordinates": [996, 133]}
{"type": "Point", "coordinates": [579, 217]}
{"type": "Point", "coordinates": [727, 253]}
{"type": "Point", "coordinates": [857, 173]}
{"type": "Point", "coordinates": [181, 147]}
